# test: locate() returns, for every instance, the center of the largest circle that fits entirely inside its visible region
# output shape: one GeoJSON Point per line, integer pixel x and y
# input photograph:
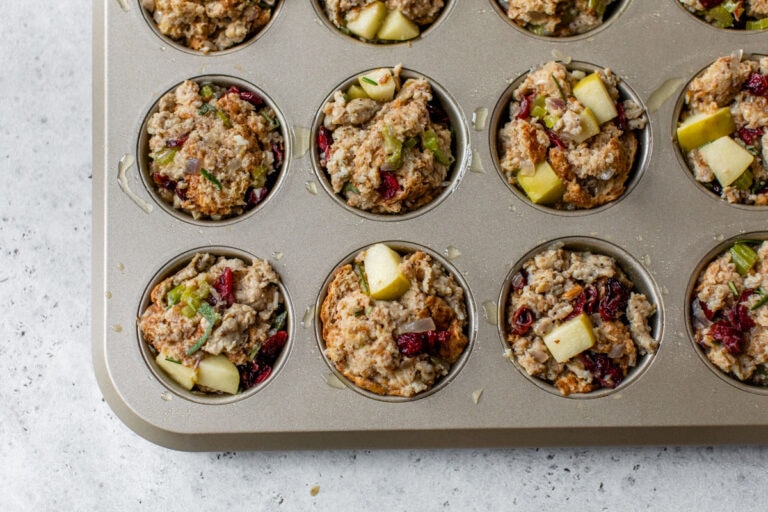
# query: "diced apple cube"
{"type": "Point", "coordinates": [365, 22]}
{"type": "Point", "coordinates": [589, 125]}
{"type": "Point", "coordinates": [378, 84]}
{"type": "Point", "coordinates": [701, 128]}
{"type": "Point", "coordinates": [184, 376]}
{"type": "Point", "coordinates": [355, 92]}
{"type": "Point", "coordinates": [570, 338]}
{"type": "Point", "coordinates": [727, 159]}
{"type": "Point", "coordinates": [219, 373]}
{"type": "Point", "coordinates": [396, 27]}
{"type": "Point", "coordinates": [543, 186]}
{"type": "Point", "coordinates": [592, 93]}
{"type": "Point", "coordinates": [382, 268]}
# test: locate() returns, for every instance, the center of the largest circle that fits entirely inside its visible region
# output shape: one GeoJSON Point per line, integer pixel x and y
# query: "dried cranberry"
{"type": "Point", "coordinates": [708, 4]}
{"type": "Point", "coordinates": [707, 312]}
{"type": "Point", "coordinates": [522, 320]}
{"type": "Point", "coordinates": [525, 107]}
{"type": "Point", "coordinates": [176, 143]}
{"type": "Point", "coordinates": [181, 192]}
{"type": "Point", "coordinates": [389, 186]}
{"type": "Point", "coordinates": [520, 280]}
{"type": "Point", "coordinates": [614, 301]}
{"type": "Point", "coordinates": [555, 140]}
{"type": "Point", "coordinates": [728, 335]}
{"type": "Point", "coordinates": [253, 196]}
{"type": "Point", "coordinates": [607, 374]}
{"type": "Point", "coordinates": [324, 141]}
{"type": "Point", "coordinates": [225, 286]}
{"type": "Point", "coordinates": [437, 113]}
{"type": "Point", "coordinates": [272, 347]}
{"type": "Point", "coordinates": [251, 97]}
{"type": "Point", "coordinates": [586, 302]}
{"type": "Point", "coordinates": [412, 344]}
{"type": "Point", "coordinates": [161, 180]}
{"type": "Point", "coordinates": [750, 135]}
{"type": "Point", "coordinates": [277, 149]}
{"type": "Point", "coordinates": [621, 119]}
{"type": "Point", "coordinates": [738, 317]}
{"type": "Point", "coordinates": [253, 372]}
{"type": "Point", "coordinates": [757, 84]}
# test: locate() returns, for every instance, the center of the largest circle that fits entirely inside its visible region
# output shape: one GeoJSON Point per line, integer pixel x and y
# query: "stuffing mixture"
{"type": "Point", "coordinates": [209, 25]}
{"type": "Point", "coordinates": [741, 86]}
{"type": "Point", "coordinates": [737, 14]}
{"type": "Point", "coordinates": [590, 159]}
{"type": "Point", "coordinates": [397, 347]}
{"type": "Point", "coordinates": [590, 291]}
{"type": "Point", "coordinates": [214, 152]}
{"type": "Point", "coordinates": [418, 15]}
{"type": "Point", "coordinates": [558, 18]}
{"type": "Point", "coordinates": [386, 157]}
{"type": "Point", "coordinates": [218, 305]}
{"type": "Point", "coordinates": [730, 312]}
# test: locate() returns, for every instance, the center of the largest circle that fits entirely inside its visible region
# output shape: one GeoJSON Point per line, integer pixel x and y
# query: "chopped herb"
{"type": "Point", "coordinates": [559, 88]}
{"type": "Point", "coordinates": [209, 314]}
{"type": "Point", "coordinates": [363, 282]}
{"type": "Point", "coordinates": [274, 123]}
{"type": "Point", "coordinates": [369, 80]}
{"type": "Point", "coordinates": [359, 313]}
{"type": "Point", "coordinates": [254, 352]}
{"type": "Point", "coordinates": [733, 288]}
{"type": "Point", "coordinates": [210, 177]}
{"type": "Point", "coordinates": [761, 302]}
{"type": "Point", "coordinates": [207, 107]}
{"type": "Point", "coordinates": [349, 188]}
{"type": "Point", "coordinates": [224, 118]}
{"type": "Point", "coordinates": [279, 322]}
{"type": "Point", "coordinates": [172, 360]}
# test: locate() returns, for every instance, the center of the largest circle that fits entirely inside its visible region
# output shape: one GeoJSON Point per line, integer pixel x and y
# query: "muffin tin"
{"type": "Point", "coordinates": [666, 226]}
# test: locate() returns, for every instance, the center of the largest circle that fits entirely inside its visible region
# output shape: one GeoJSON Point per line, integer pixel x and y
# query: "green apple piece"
{"type": "Point", "coordinates": [378, 84]}
{"type": "Point", "coordinates": [727, 159]}
{"type": "Point", "coordinates": [701, 128]}
{"type": "Point", "coordinates": [592, 93]}
{"type": "Point", "coordinates": [543, 186]}
{"type": "Point", "coordinates": [355, 92]}
{"type": "Point", "coordinates": [184, 376]}
{"type": "Point", "coordinates": [366, 21]}
{"type": "Point", "coordinates": [382, 267]}
{"type": "Point", "coordinates": [570, 338]}
{"type": "Point", "coordinates": [219, 373]}
{"type": "Point", "coordinates": [396, 27]}
{"type": "Point", "coordinates": [590, 126]}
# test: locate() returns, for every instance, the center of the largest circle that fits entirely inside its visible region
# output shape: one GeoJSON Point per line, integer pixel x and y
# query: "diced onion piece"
{"type": "Point", "coordinates": [420, 325]}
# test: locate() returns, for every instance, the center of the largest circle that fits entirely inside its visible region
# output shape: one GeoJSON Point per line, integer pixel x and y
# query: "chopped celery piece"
{"type": "Point", "coordinates": [430, 141]}
{"type": "Point", "coordinates": [174, 295]}
{"type": "Point", "coordinates": [598, 6]}
{"type": "Point", "coordinates": [165, 156]}
{"type": "Point", "coordinates": [538, 111]}
{"type": "Point", "coordinates": [550, 121]}
{"type": "Point", "coordinates": [722, 18]}
{"type": "Point", "coordinates": [744, 181]}
{"type": "Point", "coordinates": [744, 257]}
{"type": "Point", "coordinates": [188, 311]}
{"type": "Point", "coordinates": [206, 92]}
{"type": "Point", "coordinates": [209, 314]}
{"type": "Point", "coordinates": [210, 177]}
{"type": "Point", "coordinates": [393, 149]}
{"type": "Point", "coordinates": [224, 118]}
{"type": "Point", "coordinates": [757, 24]}
{"type": "Point", "coordinates": [259, 176]}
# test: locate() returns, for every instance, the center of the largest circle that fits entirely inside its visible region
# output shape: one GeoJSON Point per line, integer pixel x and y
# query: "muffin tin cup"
{"type": "Point", "coordinates": [459, 148]}
{"type": "Point", "coordinates": [500, 117]}
{"type": "Point", "coordinates": [470, 330]}
{"type": "Point", "coordinates": [632, 269]}
{"type": "Point", "coordinates": [713, 254]}
{"type": "Point", "coordinates": [661, 229]}
{"type": "Point", "coordinates": [149, 352]}
{"type": "Point", "coordinates": [143, 159]}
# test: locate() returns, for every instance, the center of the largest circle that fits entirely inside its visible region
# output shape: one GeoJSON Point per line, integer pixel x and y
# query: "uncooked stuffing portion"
{"type": "Point", "coordinates": [386, 146]}
{"type": "Point", "coordinates": [210, 25]}
{"type": "Point", "coordinates": [214, 152]}
{"type": "Point", "coordinates": [383, 21]}
{"type": "Point", "coordinates": [557, 18]}
{"type": "Point", "coordinates": [733, 14]}
{"type": "Point", "coordinates": [571, 140]}
{"type": "Point", "coordinates": [217, 312]}
{"type": "Point", "coordinates": [575, 320]}
{"type": "Point", "coordinates": [729, 312]}
{"type": "Point", "coordinates": [723, 129]}
{"type": "Point", "coordinates": [399, 339]}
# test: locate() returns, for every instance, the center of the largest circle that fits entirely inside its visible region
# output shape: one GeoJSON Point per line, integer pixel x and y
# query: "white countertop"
{"type": "Point", "coordinates": [62, 447]}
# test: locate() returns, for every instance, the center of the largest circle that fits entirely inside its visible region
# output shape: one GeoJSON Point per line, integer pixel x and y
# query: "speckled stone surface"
{"type": "Point", "coordinates": [61, 446]}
